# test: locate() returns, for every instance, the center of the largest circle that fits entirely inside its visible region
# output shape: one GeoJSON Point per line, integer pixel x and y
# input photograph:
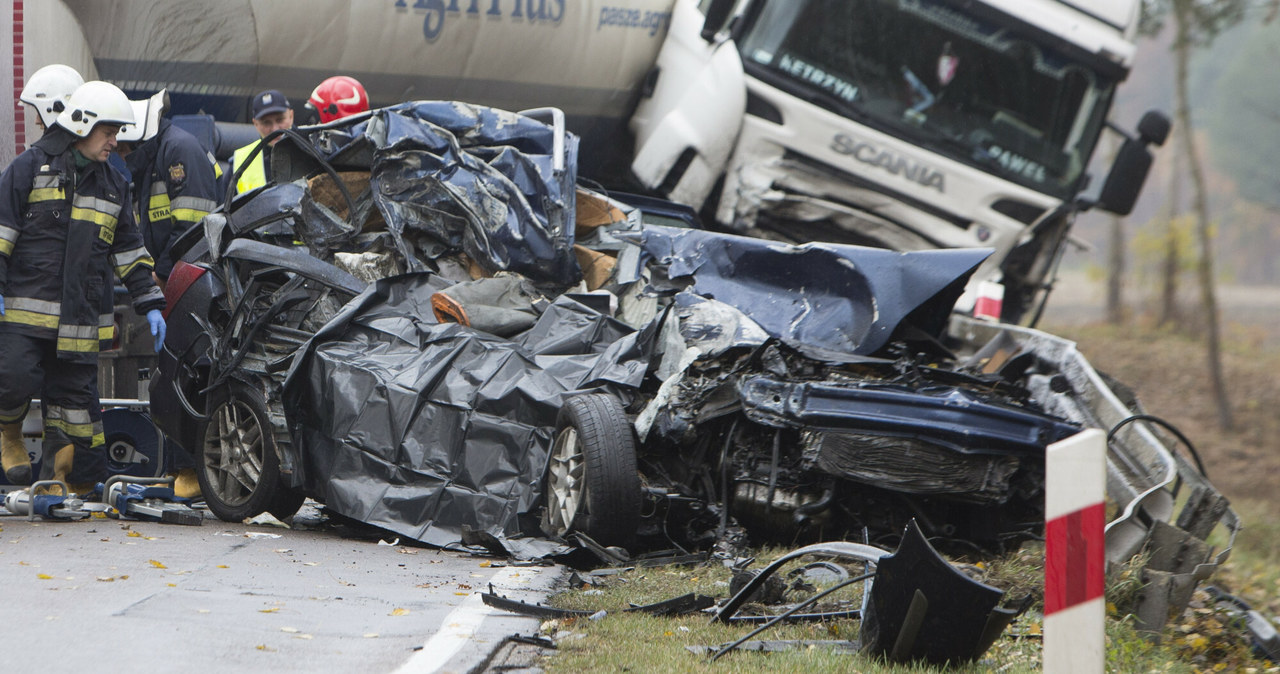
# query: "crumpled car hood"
{"type": "Point", "coordinates": [828, 301]}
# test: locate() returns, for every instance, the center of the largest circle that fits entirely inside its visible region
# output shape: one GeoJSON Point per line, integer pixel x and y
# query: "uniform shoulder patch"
{"type": "Point", "coordinates": [177, 174]}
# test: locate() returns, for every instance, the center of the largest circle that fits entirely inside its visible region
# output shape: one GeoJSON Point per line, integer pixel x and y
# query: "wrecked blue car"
{"type": "Point", "coordinates": [424, 324]}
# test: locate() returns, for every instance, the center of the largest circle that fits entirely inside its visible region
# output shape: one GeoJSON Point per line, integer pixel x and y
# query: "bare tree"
{"type": "Point", "coordinates": [1197, 23]}
{"type": "Point", "coordinates": [1192, 17]}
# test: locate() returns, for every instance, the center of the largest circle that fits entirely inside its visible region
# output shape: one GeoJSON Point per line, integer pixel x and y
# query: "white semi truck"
{"type": "Point", "coordinates": [905, 124]}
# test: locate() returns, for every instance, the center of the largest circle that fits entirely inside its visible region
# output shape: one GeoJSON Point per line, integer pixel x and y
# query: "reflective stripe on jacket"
{"type": "Point", "coordinates": [62, 239]}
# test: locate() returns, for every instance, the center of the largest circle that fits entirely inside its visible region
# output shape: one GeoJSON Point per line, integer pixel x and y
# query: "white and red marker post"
{"type": "Point", "coordinates": [1075, 554]}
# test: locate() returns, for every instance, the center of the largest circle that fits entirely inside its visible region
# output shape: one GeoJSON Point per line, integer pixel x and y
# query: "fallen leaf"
{"type": "Point", "coordinates": [486, 564]}
{"type": "Point", "coordinates": [273, 609]}
{"type": "Point", "coordinates": [400, 611]}
{"type": "Point", "coordinates": [157, 564]}
{"type": "Point", "coordinates": [134, 534]}
{"type": "Point", "coordinates": [106, 579]}
{"type": "Point", "coordinates": [303, 636]}
{"type": "Point", "coordinates": [264, 647]}
{"type": "Point", "coordinates": [223, 566]}
{"type": "Point", "coordinates": [171, 584]}
{"type": "Point", "coordinates": [44, 576]}
{"type": "Point", "coordinates": [371, 635]}
{"type": "Point", "coordinates": [290, 630]}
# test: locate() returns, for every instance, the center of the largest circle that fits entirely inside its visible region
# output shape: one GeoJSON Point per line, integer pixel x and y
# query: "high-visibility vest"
{"type": "Point", "coordinates": [255, 175]}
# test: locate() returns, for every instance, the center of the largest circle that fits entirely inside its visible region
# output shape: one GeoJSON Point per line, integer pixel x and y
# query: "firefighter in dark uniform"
{"type": "Point", "coordinates": [175, 180]}
{"type": "Point", "coordinates": [174, 186]}
{"type": "Point", "coordinates": [66, 229]}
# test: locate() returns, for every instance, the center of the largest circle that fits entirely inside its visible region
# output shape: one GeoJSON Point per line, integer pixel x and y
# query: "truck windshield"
{"type": "Point", "coordinates": [979, 90]}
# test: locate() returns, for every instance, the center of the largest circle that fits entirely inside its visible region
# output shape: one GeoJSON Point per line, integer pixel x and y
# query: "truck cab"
{"type": "Point", "coordinates": [903, 124]}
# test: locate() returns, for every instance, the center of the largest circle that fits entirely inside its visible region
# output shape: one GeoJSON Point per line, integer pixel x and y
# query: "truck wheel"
{"type": "Point", "coordinates": [592, 483]}
{"type": "Point", "coordinates": [238, 467]}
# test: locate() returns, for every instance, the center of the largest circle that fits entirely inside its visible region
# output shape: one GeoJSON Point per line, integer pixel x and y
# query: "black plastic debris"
{"type": "Point", "coordinates": [452, 177]}
{"type": "Point", "coordinates": [681, 605]}
{"type": "Point", "coordinates": [923, 608]}
{"type": "Point", "coordinates": [424, 428]}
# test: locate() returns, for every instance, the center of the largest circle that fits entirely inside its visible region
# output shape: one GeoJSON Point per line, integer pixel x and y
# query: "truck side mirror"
{"type": "Point", "coordinates": [1133, 162]}
{"type": "Point", "coordinates": [1154, 128]}
{"type": "Point", "coordinates": [717, 14]}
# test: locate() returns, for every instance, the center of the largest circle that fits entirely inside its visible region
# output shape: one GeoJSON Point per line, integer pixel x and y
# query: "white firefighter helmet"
{"type": "Point", "coordinates": [95, 103]}
{"type": "Point", "coordinates": [146, 118]}
{"type": "Point", "coordinates": [48, 89]}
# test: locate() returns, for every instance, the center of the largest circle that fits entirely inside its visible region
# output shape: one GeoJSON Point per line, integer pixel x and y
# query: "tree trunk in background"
{"type": "Point", "coordinates": [1115, 273]}
{"type": "Point", "coordinates": [1167, 313]}
{"type": "Point", "coordinates": [1205, 268]}
{"type": "Point", "coordinates": [1115, 261]}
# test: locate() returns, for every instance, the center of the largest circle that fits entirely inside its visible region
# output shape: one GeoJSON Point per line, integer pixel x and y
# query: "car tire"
{"type": "Point", "coordinates": [592, 484]}
{"type": "Point", "coordinates": [238, 464]}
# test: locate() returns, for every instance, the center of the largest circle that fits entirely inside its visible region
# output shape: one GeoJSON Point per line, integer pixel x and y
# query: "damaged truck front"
{"type": "Point", "coordinates": [900, 124]}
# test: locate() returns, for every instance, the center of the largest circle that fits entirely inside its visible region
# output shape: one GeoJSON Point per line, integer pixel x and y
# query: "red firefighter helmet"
{"type": "Point", "coordinates": [337, 97]}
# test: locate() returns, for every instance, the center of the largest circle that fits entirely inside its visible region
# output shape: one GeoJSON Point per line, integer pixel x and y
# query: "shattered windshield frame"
{"type": "Point", "coordinates": [984, 90]}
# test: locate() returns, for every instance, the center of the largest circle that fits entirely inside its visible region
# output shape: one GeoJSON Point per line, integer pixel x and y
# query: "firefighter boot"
{"type": "Point", "coordinates": [13, 454]}
{"type": "Point", "coordinates": [186, 484]}
{"type": "Point", "coordinates": [63, 460]}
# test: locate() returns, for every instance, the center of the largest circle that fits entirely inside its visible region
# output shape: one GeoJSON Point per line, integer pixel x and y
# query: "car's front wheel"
{"type": "Point", "coordinates": [238, 466]}
{"type": "Point", "coordinates": [592, 483]}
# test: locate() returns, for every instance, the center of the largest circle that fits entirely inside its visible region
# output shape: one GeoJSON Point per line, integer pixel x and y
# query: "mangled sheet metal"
{"type": "Point", "coordinates": [449, 177]}
{"type": "Point", "coordinates": [828, 301]}
{"type": "Point", "coordinates": [426, 428]}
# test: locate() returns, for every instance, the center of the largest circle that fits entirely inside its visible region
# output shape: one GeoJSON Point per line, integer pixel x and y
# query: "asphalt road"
{"type": "Point", "coordinates": [105, 595]}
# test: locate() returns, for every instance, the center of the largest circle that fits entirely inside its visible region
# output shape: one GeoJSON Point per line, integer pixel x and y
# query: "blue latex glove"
{"type": "Point", "coordinates": [1, 305]}
{"type": "Point", "coordinates": [157, 327]}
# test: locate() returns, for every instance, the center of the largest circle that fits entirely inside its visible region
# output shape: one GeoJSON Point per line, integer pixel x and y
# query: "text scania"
{"type": "Point", "coordinates": [435, 11]}
{"type": "Point", "coordinates": [884, 159]}
{"type": "Point", "coordinates": [625, 17]}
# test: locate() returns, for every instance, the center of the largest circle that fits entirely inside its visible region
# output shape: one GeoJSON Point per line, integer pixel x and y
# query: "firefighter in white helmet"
{"type": "Point", "coordinates": [66, 230]}
{"type": "Point", "coordinates": [47, 91]}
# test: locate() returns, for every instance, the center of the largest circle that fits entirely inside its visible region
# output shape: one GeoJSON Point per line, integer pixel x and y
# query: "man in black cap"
{"type": "Point", "coordinates": [271, 111]}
